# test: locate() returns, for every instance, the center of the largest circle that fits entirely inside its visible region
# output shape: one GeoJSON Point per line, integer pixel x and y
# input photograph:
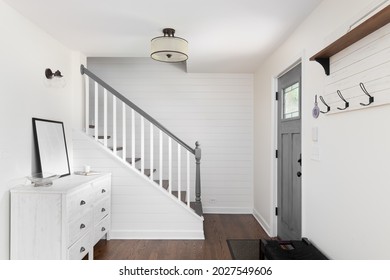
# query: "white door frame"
{"type": "Point", "coordinates": [301, 58]}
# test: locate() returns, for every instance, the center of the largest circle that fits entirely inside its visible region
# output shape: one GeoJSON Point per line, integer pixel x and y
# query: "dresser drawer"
{"type": "Point", "coordinates": [80, 227]}
{"type": "Point", "coordinates": [102, 209]}
{"type": "Point", "coordinates": [78, 250]}
{"type": "Point", "coordinates": [79, 202]}
{"type": "Point", "coordinates": [101, 229]}
{"type": "Point", "coordinates": [102, 189]}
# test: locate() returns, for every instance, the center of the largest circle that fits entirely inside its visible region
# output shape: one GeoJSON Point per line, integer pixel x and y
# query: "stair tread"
{"type": "Point", "coordinates": [130, 160]}
{"type": "Point", "coordinates": [165, 183]}
{"type": "Point", "coordinates": [183, 195]}
{"type": "Point", "coordinates": [102, 136]}
{"type": "Point", "coordinates": [197, 206]}
{"type": "Point", "coordinates": [117, 148]}
{"type": "Point", "coordinates": [147, 171]}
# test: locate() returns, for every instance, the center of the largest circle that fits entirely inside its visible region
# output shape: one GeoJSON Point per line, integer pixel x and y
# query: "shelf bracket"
{"type": "Point", "coordinates": [370, 25]}
{"type": "Point", "coordinates": [325, 62]}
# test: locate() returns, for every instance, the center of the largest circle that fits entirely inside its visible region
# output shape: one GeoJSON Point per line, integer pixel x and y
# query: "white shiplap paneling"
{"type": "Point", "coordinates": [214, 109]}
{"type": "Point", "coordinates": [140, 209]}
{"type": "Point", "coordinates": [368, 62]}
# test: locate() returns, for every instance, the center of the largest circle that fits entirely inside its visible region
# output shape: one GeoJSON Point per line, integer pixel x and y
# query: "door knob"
{"type": "Point", "coordinates": [299, 173]}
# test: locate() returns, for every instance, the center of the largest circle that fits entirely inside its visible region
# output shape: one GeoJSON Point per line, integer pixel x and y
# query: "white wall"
{"type": "Point", "coordinates": [214, 109]}
{"type": "Point", "coordinates": [344, 194]}
{"type": "Point", "coordinates": [25, 53]}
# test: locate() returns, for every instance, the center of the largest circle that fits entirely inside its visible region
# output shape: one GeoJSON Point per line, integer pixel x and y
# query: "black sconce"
{"type": "Point", "coordinates": [54, 79]}
{"type": "Point", "coordinates": [49, 74]}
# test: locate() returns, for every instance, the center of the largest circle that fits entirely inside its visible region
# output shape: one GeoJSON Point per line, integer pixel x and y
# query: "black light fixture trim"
{"type": "Point", "coordinates": [169, 55]}
{"type": "Point", "coordinates": [169, 31]}
{"type": "Point", "coordinates": [49, 74]}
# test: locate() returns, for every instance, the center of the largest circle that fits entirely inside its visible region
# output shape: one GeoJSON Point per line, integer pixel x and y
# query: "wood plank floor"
{"type": "Point", "coordinates": [218, 228]}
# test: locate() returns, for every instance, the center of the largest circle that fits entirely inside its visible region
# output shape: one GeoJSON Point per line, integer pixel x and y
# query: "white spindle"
{"type": "Point", "coordinates": [123, 131]}
{"type": "Point", "coordinates": [132, 137]}
{"type": "Point", "coordinates": [161, 158]}
{"type": "Point", "coordinates": [188, 178]}
{"type": "Point", "coordinates": [114, 124]}
{"type": "Point", "coordinates": [96, 111]}
{"type": "Point", "coordinates": [178, 172]}
{"type": "Point", "coordinates": [151, 151]}
{"type": "Point", "coordinates": [170, 164]}
{"type": "Point", "coordinates": [105, 118]}
{"type": "Point", "coordinates": [86, 104]}
{"type": "Point", "coordinates": [142, 145]}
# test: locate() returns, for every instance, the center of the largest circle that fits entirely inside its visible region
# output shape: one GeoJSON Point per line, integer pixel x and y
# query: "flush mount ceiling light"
{"type": "Point", "coordinates": [169, 48]}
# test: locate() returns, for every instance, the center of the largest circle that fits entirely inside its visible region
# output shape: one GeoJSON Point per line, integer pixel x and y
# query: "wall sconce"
{"type": "Point", "coordinates": [49, 74]}
{"type": "Point", "coordinates": [54, 79]}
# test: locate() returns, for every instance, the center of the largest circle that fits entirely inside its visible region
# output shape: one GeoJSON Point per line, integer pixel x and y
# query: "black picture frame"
{"type": "Point", "coordinates": [50, 144]}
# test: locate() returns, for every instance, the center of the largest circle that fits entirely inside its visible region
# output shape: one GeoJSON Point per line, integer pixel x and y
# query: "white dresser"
{"type": "Point", "coordinates": [62, 221]}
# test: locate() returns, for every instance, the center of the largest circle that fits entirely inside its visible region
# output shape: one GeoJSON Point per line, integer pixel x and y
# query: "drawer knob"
{"type": "Point", "coordinates": [82, 249]}
{"type": "Point", "coordinates": [103, 209]}
{"type": "Point", "coordinates": [82, 202]}
{"type": "Point", "coordinates": [103, 190]}
{"type": "Point", "coordinates": [103, 228]}
{"type": "Point", "coordinates": [82, 226]}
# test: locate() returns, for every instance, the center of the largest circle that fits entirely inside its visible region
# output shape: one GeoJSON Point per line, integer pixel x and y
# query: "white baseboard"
{"type": "Point", "coordinates": [227, 210]}
{"type": "Point", "coordinates": [267, 228]}
{"type": "Point", "coordinates": [157, 235]}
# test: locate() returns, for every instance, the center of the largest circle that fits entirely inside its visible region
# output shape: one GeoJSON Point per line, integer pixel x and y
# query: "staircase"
{"type": "Point", "coordinates": [142, 144]}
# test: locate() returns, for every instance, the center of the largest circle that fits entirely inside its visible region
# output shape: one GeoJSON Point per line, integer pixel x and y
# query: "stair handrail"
{"type": "Point", "coordinates": [90, 74]}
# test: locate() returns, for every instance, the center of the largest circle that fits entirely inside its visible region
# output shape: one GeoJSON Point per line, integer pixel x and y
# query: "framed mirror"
{"type": "Point", "coordinates": [50, 143]}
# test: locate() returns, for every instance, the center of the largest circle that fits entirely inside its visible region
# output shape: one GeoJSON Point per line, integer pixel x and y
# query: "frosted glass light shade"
{"type": "Point", "coordinates": [169, 49]}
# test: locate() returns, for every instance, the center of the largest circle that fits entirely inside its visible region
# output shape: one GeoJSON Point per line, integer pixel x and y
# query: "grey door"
{"type": "Point", "coordinates": [289, 154]}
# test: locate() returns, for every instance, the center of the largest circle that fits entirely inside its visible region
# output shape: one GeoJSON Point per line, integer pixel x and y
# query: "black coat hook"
{"type": "Point", "coordinates": [370, 98]}
{"type": "Point", "coordinates": [327, 106]}
{"type": "Point", "coordinates": [345, 101]}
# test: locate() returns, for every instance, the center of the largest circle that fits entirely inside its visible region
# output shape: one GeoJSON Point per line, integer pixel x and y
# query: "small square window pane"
{"type": "Point", "coordinates": [291, 102]}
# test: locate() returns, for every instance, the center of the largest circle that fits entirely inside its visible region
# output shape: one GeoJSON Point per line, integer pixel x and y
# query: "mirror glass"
{"type": "Point", "coordinates": [51, 146]}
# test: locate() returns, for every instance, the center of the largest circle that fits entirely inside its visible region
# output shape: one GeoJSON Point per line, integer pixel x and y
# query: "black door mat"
{"type": "Point", "coordinates": [244, 249]}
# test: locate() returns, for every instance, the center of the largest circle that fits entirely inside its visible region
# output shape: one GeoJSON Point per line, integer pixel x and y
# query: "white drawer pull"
{"type": "Point", "coordinates": [103, 210]}
{"type": "Point", "coordinates": [82, 202]}
{"type": "Point", "coordinates": [103, 228]}
{"type": "Point", "coordinates": [82, 226]}
{"type": "Point", "coordinates": [103, 190]}
{"type": "Point", "coordinates": [82, 249]}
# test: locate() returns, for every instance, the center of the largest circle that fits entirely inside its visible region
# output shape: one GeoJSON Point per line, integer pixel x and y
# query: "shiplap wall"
{"type": "Point", "coordinates": [368, 62]}
{"type": "Point", "coordinates": [214, 109]}
{"type": "Point", "coordinates": [139, 210]}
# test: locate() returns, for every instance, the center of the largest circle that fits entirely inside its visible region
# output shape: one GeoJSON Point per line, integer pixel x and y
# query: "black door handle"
{"type": "Point", "coordinates": [299, 173]}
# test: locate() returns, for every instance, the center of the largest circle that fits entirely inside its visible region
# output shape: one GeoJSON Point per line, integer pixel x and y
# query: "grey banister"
{"type": "Point", "coordinates": [85, 71]}
{"type": "Point", "coordinates": [198, 155]}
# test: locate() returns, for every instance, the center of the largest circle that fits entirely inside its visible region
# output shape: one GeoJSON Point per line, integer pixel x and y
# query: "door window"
{"type": "Point", "coordinates": [291, 102]}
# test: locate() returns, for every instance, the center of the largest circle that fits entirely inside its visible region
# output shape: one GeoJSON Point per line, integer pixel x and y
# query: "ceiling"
{"type": "Point", "coordinates": [224, 35]}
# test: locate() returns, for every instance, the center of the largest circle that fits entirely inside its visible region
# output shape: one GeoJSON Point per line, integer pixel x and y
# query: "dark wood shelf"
{"type": "Point", "coordinates": [372, 24]}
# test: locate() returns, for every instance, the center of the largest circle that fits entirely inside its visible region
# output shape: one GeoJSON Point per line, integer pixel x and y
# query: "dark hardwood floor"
{"type": "Point", "coordinates": [218, 228]}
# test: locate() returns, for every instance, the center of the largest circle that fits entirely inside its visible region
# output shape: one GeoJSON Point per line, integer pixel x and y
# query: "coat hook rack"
{"type": "Point", "coordinates": [345, 101]}
{"type": "Point", "coordinates": [327, 106]}
{"type": "Point", "coordinates": [370, 98]}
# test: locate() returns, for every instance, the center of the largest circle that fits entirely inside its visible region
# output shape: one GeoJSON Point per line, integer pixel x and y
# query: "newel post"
{"type": "Point", "coordinates": [198, 155]}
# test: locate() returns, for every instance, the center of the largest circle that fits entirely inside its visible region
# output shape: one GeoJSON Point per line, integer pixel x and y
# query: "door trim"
{"type": "Point", "coordinates": [301, 58]}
